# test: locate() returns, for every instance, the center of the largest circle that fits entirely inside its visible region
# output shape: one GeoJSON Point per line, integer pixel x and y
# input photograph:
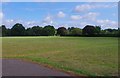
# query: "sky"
{"type": "Point", "coordinates": [58, 14]}
{"type": "Point", "coordinates": [59, 0]}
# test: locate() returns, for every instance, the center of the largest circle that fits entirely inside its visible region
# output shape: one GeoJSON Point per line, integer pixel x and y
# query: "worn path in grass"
{"type": "Point", "coordinates": [12, 67]}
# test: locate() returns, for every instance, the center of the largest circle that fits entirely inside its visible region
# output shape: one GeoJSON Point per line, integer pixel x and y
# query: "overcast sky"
{"type": "Point", "coordinates": [68, 14]}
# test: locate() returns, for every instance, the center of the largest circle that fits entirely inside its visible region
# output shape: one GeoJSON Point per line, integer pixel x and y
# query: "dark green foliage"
{"type": "Point", "coordinates": [70, 28]}
{"type": "Point", "coordinates": [8, 32]}
{"type": "Point", "coordinates": [4, 30]}
{"type": "Point", "coordinates": [0, 31]}
{"type": "Point", "coordinates": [75, 31]}
{"type": "Point", "coordinates": [18, 30]}
{"type": "Point", "coordinates": [89, 30]}
{"type": "Point", "coordinates": [98, 30]}
{"type": "Point", "coordinates": [110, 32]}
{"type": "Point", "coordinates": [48, 31]}
{"type": "Point", "coordinates": [37, 30]}
{"type": "Point", "coordinates": [62, 31]}
{"type": "Point", "coordinates": [29, 32]}
{"type": "Point", "coordinates": [119, 32]}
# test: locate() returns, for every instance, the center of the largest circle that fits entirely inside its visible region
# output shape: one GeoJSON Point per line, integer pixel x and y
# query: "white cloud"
{"type": "Point", "coordinates": [76, 17]}
{"type": "Point", "coordinates": [89, 6]}
{"type": "Point", "coordinates": [61, 14]}
{"type": "Point", "coordinates": [48, 20]}
{"type": "Point", "coordinates": [107, 23]}
{"type": "Point", "coordinates": [81, 24]}
{"type": "Point", "coordinates": [10, 22]}
{"type": "Point", "coordinates": [5, 0]}
{"type": "Point", "coordinates": [82, 8]}
{"type": "Point", "coordinates": [31, 23]}
{"type": "Point", "coordinates": [1, 15]}
{"type": "Point", "coordinates": [89, 16]}
{"type": "Point", "coordinates": [92, 18]}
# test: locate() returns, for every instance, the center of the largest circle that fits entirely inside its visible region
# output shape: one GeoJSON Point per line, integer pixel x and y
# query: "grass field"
{"type": "Point", "coordinates": [90, 56]}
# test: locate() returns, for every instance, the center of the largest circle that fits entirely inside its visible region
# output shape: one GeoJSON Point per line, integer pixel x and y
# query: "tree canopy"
{"type": "Point", "coordinates": [48, 31]}
{"type": "Point", "coordinates": [62, 31]}
{"type": "Point", "coordinates": [75, 31]}
{"type": "Point", "coordinates": [89, 30]}
{"type": "Point", "coordinates": [18, 30]}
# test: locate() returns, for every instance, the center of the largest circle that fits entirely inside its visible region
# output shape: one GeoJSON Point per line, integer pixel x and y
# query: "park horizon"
{"type": "Point", "coordinates": [57, 14]}
{"type": "Point", "coordinates": [49, 30]}
{"type": "Point", "coordinates": [59, 39]}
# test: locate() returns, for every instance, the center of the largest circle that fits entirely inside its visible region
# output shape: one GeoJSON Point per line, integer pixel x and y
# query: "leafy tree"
{"type": "Point", "coordinates": [18, 30]}
{"type": "Point", "coordinates": [98, 29]}
{"type": "Point", "coordinates": [0, 31]}
{"type": "Point", "coordinates": [89, 30]}
{"type": "Point", "coordinates": [75, 32]}
{"type": "Point", "coordinates": [118, 32]}
{"type": "Point", "coordinates": [111, 32]}
{"type": "Point", "coordinates": [37, 30]}
{"type": "Point", "coordinates": [29, 32]}
{"type": "Point", "coordinates": [8, 32]}
{"type": "Point", "coordinates": [48, 31]}
{"type": "Point", "coordinates": [4, 30]}
{"type": "Point", "coordinates": [70, 28]}
{"type": "Point", "coordinates": [62, 31]}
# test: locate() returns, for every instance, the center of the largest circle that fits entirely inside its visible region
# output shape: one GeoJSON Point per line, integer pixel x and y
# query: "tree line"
{"type": "Point", "coordinates": [89, 30]}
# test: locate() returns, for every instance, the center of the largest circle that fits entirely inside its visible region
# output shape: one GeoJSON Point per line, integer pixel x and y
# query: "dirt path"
{"type": "Point", "coordinates": [12, 67]}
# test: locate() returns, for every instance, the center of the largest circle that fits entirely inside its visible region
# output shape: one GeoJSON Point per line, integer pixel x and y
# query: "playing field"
{"type": "Point", "coordinates": [89, 56]}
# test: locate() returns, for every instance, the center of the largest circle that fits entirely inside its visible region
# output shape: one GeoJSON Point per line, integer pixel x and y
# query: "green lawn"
{"type": "Point", "coordinates": [88, 56]}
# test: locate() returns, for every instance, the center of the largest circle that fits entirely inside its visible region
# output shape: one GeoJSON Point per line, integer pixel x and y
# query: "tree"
{"type": "Point", "coordinates": [37, 30]}
{"type": "Point", "coordinates": [18, 30]}
{"type": "Point", "coordinates": [4, 30]}
{"type": "Point", "coordinates": [8, 32]}
{"type": "Point", "coordinates": [62, 31]}
{"type": "Point", "coordinates": [98, 29]}
{"type": "Point", "coordinates": [70, 28]}
{"type": "Point", "coordinates": [29, 32]}
{"type": "Point", "coordinates": [75, 32]}
{"type": "Point", "coordinates": [111, 32]}
{"type": "Point", "coordinates": [48, 31]}
{"type": "Point", "coordinates": [89, 30]}
{"type": "Point", "coordinates": [0, 31]}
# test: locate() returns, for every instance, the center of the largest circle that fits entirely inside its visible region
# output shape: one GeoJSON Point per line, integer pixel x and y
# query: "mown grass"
{"type": "Point", "coordinates": [91, 56]}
